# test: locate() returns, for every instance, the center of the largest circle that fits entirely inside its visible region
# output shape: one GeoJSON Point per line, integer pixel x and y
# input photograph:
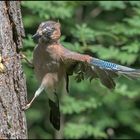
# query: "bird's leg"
{"type": "Point", "coordinates": [27, 60]}
{"type": "Point", "coordinates": [37, 93]}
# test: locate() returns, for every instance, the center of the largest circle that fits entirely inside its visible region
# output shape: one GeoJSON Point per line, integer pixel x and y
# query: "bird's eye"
{"type": "Point", "coordinates": [44, 30]}
{"type": "Point", "coordinates": [50, 30]}
{"type": "Point", "coordinates": [53, 28]}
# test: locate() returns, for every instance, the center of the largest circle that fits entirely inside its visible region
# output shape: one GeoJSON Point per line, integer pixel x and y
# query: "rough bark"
{"type": "Point", "coordinates": [12, 81]}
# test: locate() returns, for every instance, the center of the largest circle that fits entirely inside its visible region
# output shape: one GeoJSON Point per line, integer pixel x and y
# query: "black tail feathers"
{"type": "Point", "coordinates": [54, 114]}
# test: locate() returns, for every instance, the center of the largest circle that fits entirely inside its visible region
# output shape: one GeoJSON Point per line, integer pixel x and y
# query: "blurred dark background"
{"type": "Point", "coordinates": [109, 30]}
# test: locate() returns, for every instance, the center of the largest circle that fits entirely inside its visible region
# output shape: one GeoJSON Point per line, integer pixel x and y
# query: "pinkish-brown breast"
{"type": "Point", "coordinates": [46, 59]}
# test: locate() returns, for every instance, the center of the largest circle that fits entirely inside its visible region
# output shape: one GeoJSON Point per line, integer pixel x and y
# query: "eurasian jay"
{"type": "Point", "coordinates": [53, 64]}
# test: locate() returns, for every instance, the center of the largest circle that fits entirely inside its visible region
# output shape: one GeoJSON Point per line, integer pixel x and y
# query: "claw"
{"type": "Point", "coordinates": [26, 107]}
{"type": "Point", "coordinates": [26, 59]}
{"type": "Point", "coordinates": [40, 89]}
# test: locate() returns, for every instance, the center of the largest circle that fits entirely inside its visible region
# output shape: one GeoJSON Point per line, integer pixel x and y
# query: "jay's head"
{"type": "Point", "coordinates": [48, 31]}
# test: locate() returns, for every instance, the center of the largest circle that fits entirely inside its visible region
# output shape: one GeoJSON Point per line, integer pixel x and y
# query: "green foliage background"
{"type": "Point", "coordinates": [108, 30]}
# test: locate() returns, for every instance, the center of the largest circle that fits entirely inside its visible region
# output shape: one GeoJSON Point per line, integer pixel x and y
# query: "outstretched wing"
{"type": "Point", "coordinates": [85, 66]}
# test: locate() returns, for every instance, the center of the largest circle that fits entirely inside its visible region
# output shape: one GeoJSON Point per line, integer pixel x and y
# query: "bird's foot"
{"type": "Point", "coordinates": [26, 107]}
{"type": "Point", "coordinates": [30, 64]}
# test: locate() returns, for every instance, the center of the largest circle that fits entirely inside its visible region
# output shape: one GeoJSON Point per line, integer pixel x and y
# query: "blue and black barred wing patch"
{"type": "Point", "coordinates": [126, 71]}
{"type": "Point", "coordinates": [104, 64]}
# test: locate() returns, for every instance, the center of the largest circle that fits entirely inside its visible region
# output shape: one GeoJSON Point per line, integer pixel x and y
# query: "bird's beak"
{"type": "Point", "coordinates": [36, 37]}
